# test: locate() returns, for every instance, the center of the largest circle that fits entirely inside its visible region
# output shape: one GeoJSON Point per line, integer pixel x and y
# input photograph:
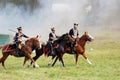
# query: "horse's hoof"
{"type": "Point", "coordinates": [36, 66]}
{"type": "Point", "coordinates": [49, 64]}
{"type": "Point", "coordinates": [90, 63]}
{"type": "Point", "coordinates": [29, 65]}
{"type": "Point", "coordinates": [52, 65]}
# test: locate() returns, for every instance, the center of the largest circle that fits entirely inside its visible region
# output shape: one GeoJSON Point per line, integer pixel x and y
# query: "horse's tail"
{"type": "Point", "coordinates": [1, 47]}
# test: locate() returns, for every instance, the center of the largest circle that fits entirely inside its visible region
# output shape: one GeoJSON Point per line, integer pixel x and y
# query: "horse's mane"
{"type": "Point", "coordinates": [33, 41]}
{"type": "Point", "coordinates": [60, 38]}
{"type": "Point", "coordinates": [81, 37]}
{"type": "Point", "coordinates": [30, 39]}
{"type": "Point", "coordinates": [85, 36]}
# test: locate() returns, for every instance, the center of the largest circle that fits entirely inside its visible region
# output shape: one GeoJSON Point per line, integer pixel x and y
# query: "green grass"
{"type": "Point", "coordinates": [105, 58]}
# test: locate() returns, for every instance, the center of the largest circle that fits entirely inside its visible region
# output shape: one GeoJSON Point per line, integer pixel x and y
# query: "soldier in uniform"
{"type": "Point", "coordinates": [18, 39]}
{"type": "Point", "coordinates": [52, 38]}
{"type": "Point", "coordinates": [74, 34]}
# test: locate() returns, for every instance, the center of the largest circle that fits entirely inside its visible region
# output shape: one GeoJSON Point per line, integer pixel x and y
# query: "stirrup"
{"type": "Point", "coordinates": [17, 54]}
{"type": "Point", "coordinates": [52, 53]}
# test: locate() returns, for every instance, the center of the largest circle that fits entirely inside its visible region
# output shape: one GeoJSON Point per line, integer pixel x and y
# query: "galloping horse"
{"type": "Point", "coordinates": [59, 47]}
{"type": "Point", "coordinates": [79, 48]}
{"type": "Point", "coordinates": [25, 51]}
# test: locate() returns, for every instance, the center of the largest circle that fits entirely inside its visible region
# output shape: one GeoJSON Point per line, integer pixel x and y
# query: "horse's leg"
{"type": "Point", "coordinates": [61, 61]}
{"type": "Point", "coordinates": [4, 57]}
{"type": "Point", "coordinates": [88, 61]}
{"type": "Point", "coordinates": [38, 54]}
{"type": "Point", "coordinates": [76, 58]}
{"type": "Point", "coordinates": [55, 61]}
{"type": "Point", "coordinates": [25, 59]}
{"type": "Point", "coordinates": [50, 63]}
{"type": "Point", "coordinates": [32, 60]}
{"type": "Point", "coordinates": [36, 57]}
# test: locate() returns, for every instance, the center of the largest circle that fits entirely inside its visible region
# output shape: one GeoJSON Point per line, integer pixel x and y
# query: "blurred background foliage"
{"type": "Point", "coordinates": [27, 4]}
{"type": "Point", "coordinates": [5, 38]}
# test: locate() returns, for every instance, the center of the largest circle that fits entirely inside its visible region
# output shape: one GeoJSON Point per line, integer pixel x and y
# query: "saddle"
{"type": "Point", "coordinates": [49, 49]}
{"type": "Point", "coordinates": [10, 48]}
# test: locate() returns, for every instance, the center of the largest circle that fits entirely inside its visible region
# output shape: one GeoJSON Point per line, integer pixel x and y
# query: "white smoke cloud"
{"type": "Point", "coordinates": [60, 14]}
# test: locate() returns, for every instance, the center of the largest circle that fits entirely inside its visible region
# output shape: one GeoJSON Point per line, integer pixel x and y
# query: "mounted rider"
{"type": "Point", "coordinates": [18, 39]}
{"type": "Point", "coordinates": [52, 38]}
{"type": "Point", "coordinates": [74, 34]}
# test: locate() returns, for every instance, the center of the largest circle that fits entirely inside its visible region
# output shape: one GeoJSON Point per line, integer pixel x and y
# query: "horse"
{"type": "Point", "coordinates": [79, 49]}
{"type": "Point", "coordinates": [80, 46]}
{"type": "Point", "coordinates": [58, 47]}
{"type": "Point", "coordinates": [25, 51]}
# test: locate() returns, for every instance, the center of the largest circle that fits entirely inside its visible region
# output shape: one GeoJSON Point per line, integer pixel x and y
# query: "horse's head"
{"type": "Point", "coordinates": [34, 42]}
{"type": "Point", "coordinates": [87, 37]}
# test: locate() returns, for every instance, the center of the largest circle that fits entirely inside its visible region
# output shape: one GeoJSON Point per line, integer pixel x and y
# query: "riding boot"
{"type": "Point", "coordinates": [72, 48]}
{"type": "Point", "coordinates": [52, 51]}
{"type": "Point", "coordinates": [17, 49]}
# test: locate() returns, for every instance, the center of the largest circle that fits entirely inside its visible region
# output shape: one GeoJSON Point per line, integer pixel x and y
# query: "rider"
{"type": "Point", "coordinates": [18, 39]}
{"type": "Point", "coordinates": [52, 38]}
{"type": "Point", "coordinates": [74, 34]}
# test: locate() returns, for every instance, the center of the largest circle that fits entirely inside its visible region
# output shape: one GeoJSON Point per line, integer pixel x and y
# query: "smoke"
{"type": "Point", "coordinates": [60, 14]}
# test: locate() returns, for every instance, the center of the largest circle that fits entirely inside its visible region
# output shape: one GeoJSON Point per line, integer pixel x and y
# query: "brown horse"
{"type": "Point", "coordinates": [80, 46]}
{"type": "Point", "coordinates": [79, 49]}
{"type": "Point", "coordinates": [25, 51]}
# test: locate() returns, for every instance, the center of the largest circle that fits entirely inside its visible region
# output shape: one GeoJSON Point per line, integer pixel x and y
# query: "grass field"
{"type": "Point", "coordinates": [105, 58]}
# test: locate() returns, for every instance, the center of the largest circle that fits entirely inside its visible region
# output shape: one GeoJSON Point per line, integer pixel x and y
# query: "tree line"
{"type": "Point", "coordinates": [27, 4]}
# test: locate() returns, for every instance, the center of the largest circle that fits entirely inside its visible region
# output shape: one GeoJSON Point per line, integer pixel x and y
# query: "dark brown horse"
{"type": "Point", "coordinates": [25, 51]}
{"type": "Point", "coordinates": [59, 47]}
{"type": "Point", "coordinates": [79, 49]}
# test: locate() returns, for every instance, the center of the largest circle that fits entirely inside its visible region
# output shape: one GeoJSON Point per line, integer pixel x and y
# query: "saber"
{"type": "Point", "coordinates": [12, 30]}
